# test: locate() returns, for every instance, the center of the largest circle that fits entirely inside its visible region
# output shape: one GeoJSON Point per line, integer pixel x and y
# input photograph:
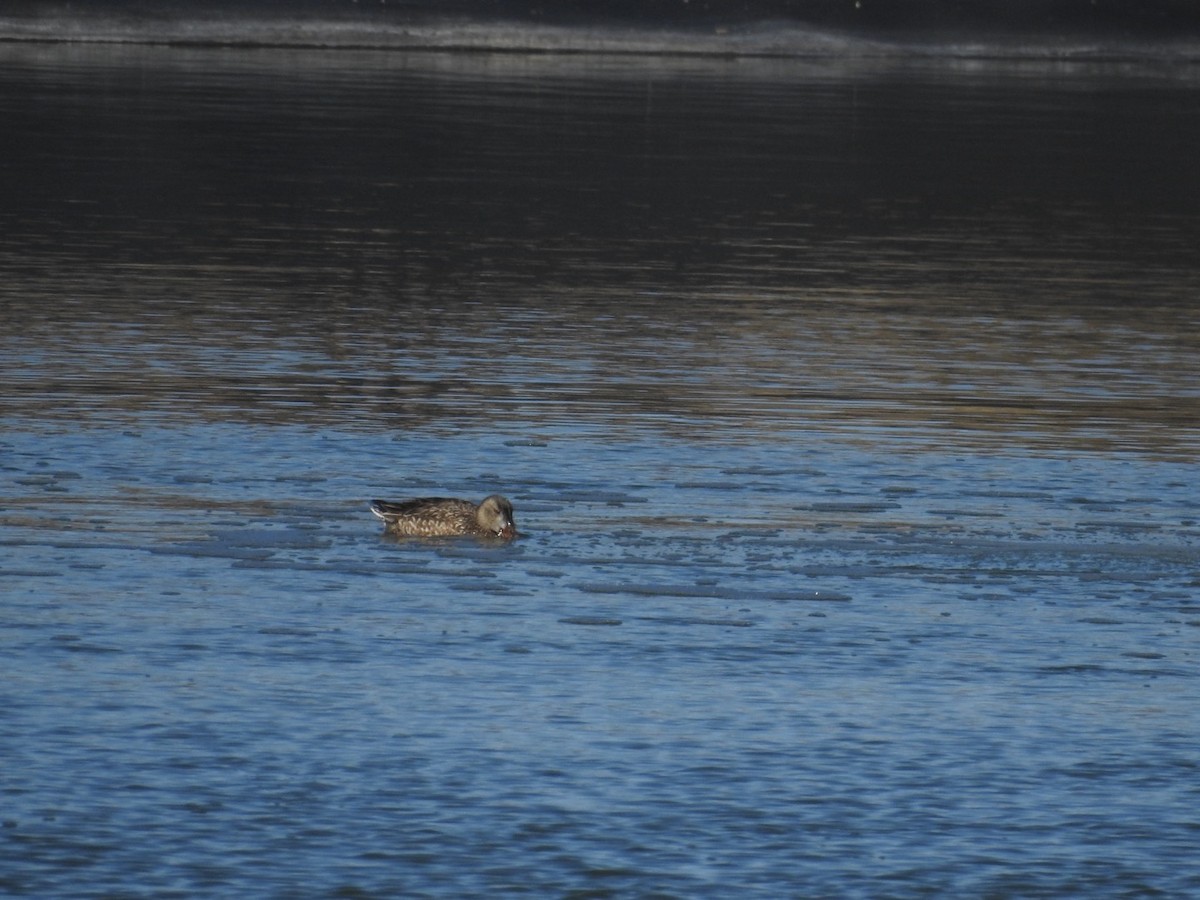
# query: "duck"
{"type": "Point", "coordinates": [447, 517]}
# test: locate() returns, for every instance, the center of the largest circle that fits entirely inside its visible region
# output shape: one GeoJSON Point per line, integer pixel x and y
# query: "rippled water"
{"type": "Point", "coordinates": [849, 412]}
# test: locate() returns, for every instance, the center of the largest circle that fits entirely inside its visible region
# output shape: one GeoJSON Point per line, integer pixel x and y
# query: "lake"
{"type": "Point", "coordinates": [850, 413]}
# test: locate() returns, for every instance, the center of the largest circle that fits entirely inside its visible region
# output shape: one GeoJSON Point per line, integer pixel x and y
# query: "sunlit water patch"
{"type": "Point", "coordinates": [758, 659]}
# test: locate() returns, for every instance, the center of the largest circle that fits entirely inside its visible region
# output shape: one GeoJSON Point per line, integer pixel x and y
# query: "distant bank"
{"type": "Point", "coordinates": [970, 28]}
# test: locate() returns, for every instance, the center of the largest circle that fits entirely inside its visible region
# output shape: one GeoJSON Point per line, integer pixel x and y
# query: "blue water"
{"type": "Point", "coordinates": [762, 668]}
{"type": "Point", "coordinates": [855, 481]}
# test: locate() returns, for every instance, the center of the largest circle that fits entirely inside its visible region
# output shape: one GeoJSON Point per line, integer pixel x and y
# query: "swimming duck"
{"type": "Point", "coordinates": [444, 517]}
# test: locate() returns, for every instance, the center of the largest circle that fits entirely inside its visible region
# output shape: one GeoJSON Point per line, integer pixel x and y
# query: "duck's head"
{"type": "Point", "coordinates": [495, 515]}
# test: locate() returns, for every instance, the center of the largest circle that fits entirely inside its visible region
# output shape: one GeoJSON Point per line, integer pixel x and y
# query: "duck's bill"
{"type": "Point", "coordinates": [508, 531]}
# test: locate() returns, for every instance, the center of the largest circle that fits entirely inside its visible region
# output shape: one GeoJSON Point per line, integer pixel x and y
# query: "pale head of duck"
{"type": "Point", "coordinates": [495, 515]}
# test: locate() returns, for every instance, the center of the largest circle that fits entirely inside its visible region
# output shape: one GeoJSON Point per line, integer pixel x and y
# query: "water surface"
{"type": "Point", "coordinates": [849, 412]}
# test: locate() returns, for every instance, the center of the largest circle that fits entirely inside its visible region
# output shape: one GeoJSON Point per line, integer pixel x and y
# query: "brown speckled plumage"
{"type": "Point", "coordinates": [445, 517]}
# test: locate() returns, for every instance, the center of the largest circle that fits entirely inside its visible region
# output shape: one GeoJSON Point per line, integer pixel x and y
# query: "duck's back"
{"type": "Point", "coordinates": [428, 516]}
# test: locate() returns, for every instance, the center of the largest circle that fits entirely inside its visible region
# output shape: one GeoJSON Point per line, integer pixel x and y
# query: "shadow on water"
{"type": "Point", "coordinates": [703, 246]}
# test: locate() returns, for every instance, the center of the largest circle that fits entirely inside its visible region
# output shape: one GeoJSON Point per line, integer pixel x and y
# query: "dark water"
{"type": "Point", "coordinates": [849, 411]}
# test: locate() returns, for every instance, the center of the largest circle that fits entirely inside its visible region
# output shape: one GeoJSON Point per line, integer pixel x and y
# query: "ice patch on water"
{"type": "Point", "coordinates": [589, 620]}
{"type": "Point", "coordinates": [733, 592]}
{"type": "Point", "coordinates": [698, 620]}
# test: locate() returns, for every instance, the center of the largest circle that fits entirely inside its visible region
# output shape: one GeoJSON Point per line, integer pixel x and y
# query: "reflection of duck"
{"type": "Point", "coordinates": [442, 517]}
